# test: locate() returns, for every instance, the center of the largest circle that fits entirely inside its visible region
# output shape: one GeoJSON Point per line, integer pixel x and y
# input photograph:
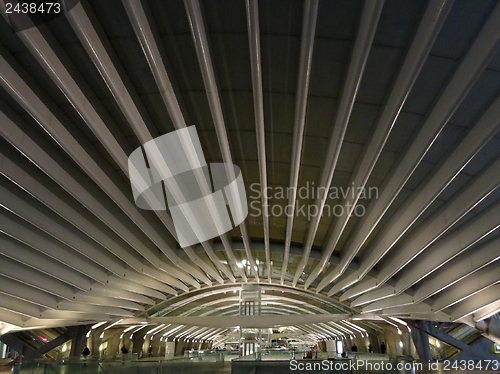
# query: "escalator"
{"type": "Point", "coordinates": [464, 333]}
{"type": "Point", "coordinates": [34, 339]}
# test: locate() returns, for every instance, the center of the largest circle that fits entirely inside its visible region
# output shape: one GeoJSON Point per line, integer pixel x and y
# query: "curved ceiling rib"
{"type": "Point", "coordinates": [143, 29]}
{"type": "Point", "coordinates": [252, 10]}
{"type": "Point", "coordinates": [20, 90]}
{"type": "Point", "coordinates": [83, 27]}
{"type": "Point", "coordinates": [368, 25]}
{"type": "Point", "coordinates": [207, 71]}
{"type": "Point", "coordinates": [303, 80]}
{"type": "Point", "coordinates": [479, 54]}
{"type": "Point", "coordinates": [428, 29]}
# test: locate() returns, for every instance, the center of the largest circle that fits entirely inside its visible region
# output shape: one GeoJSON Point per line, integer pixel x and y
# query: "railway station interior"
{"type": "Point", "coordinates": [240, 186]}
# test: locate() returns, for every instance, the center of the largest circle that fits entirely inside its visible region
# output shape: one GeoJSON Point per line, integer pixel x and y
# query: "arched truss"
{"type": "Point", "coordinates": [276, 299]}
{"type": "Point", "coordinates": [231, 292]}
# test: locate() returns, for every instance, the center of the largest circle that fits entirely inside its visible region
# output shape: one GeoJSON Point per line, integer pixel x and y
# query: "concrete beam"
{"type": "Point", "coordinates": [421, 341]}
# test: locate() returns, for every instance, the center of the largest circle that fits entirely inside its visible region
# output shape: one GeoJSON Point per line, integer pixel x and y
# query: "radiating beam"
{"type": "Point", "coordinates": [486, 312]}
{"type": "Point", "coordinates": [21, 204]}
{"type": "Point", "coordinates": [434, 228]}
{"type": "Point", "coordinates": [487, 296]}
{"type": "Point", "coordinates": [202, 48]}
{"type": "Point", "coordinates": [429, 28]}
{"type": "Point", "coordinates": [362, 45]}
{"type": "Point", "coordinates": [89, 298]}
{"type": "Point", "coordinates": [36, 279]}
{"type": "Point", "coordinates": [94, 46]}
{"type": "Point", "coordinates": [117, 293]}
{"type": "Point", "coordinates": [449, 274]}
{"type": "Point", "coordinates": [20, 172]}
{"type": "Point", "coordinates": [72, 306]}
{"type": "Point", "coordinates": [129, 285]}
{"type": "Point", "coordinates": [73, 267]}
{"type": "Point", "coordinates": [13, 249]}
{"type": "Point", "coordinates": [486, 181]}
{"type": "Point", "coordinates": [310, 15]}
{"type": "Point", "coordinates": [22, 307]}
{"type": "Point", "coordinates": [469, 294]}
{"type": "Point", "coordinates": [20, 91]}
{"type": "Point", "coordinates": [143, 29]}
{"type": "Point", "coordinates": [467, 73]}
{"type": "Point", "coordinates": [457, 242]}
{"type": "Point", "coordinates": [252, 11]}
{"type": "Point", "coordinates": [26, 292]}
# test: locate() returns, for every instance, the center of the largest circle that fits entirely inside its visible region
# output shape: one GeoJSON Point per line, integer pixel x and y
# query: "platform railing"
{"type": "Point", "coordinates": [273, 362]}
{"type": "Point", "coordinates": [205, 363]}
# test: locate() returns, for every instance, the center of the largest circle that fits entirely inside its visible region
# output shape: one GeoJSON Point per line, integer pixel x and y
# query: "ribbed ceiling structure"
{"type": "Point", "coordinates": [395, 99]}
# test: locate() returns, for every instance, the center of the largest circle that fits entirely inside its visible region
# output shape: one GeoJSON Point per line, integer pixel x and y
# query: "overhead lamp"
{"type": "Point", "coordinates": [98, 324]}
{"type": "Point", "coordinates": [438, 344]}
{"type": "Point", "coordinates": [107, 327]}
{"type": "Point", "coordinates": [64, 348]}
{"type": "Point", "coordinates": [401, 344]}
{"type": "Point", "coordinates": [129, 328]}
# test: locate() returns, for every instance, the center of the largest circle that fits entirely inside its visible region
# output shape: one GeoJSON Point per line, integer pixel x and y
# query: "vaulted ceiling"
{"type": "Point", "coordinates": [398, 99]}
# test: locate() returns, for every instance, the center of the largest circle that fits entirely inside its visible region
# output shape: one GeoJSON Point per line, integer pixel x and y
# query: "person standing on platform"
{"type": "Point", "coordinates": [383, 348]}
{"type": "Point", "coordinates": [85, 352]}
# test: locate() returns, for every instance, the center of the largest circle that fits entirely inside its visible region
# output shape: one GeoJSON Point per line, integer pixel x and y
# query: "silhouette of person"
{"type": "Point", "coordinates": [383, 348]}
{"type": "Point", "coordinates": [86, 351]}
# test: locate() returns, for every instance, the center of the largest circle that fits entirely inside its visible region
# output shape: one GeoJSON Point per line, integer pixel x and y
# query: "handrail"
{"type": "Point", "coordinates": [101, 367]}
